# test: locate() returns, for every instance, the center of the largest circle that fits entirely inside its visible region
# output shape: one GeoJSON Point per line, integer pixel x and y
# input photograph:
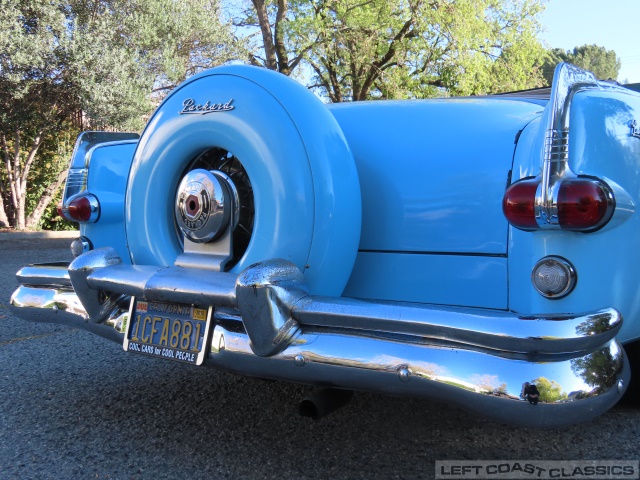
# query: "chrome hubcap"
{"type": "Point", "coordinates": [203, 206]}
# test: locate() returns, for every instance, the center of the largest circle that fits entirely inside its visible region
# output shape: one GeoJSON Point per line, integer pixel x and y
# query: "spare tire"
{"type": "Point", "coordinates": [306, 192]}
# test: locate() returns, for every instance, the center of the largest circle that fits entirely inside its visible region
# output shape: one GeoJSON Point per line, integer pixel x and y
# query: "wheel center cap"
{"type": "Point", "coordinates": [200, 208]}
{"type": "Point", "coordinates": [192, 204]}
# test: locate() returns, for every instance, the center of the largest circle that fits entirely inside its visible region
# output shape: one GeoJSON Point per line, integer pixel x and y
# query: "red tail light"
{"type": "Point", "coordinates": [518, 204]}
{"type": "Point", "coordinates": [582, 204]}
{"type": "Point", "coordinates": [82, 208]}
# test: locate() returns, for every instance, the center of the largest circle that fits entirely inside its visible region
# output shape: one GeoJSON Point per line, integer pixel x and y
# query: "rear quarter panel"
{"type": "Point", "coordinates": [607, 261]}
{"type": "Point", "coordinates": [109, 166]}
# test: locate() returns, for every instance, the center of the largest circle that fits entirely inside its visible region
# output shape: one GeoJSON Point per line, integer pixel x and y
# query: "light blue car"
{"type": "Point", "coordinates": [478, 251]}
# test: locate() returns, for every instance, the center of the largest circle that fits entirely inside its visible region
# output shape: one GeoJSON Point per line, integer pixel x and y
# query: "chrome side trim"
{"type": "Point", "coordinates": [567, 81]}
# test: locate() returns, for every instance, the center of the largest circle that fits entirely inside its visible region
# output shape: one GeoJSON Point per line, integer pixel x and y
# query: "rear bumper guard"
{"type": "Point", "coordinates": [267, 325]}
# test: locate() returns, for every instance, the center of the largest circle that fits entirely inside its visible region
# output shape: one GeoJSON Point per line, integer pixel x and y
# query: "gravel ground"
{"type": "Point", "coordinates": [73, 405]}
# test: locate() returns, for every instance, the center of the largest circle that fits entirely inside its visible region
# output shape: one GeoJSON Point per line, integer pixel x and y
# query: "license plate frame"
{"type": "Point", "coordinates": [150, 330]}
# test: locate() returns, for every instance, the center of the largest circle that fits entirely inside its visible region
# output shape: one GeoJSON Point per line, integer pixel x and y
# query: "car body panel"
{"type": "Point", "coordinates": [460, 280]}
{"type": "Point", "coordinates": [433, 172]}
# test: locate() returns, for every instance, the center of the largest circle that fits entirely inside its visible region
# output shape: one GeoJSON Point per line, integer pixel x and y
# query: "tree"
{"type": "Point", "coordinates": [604, 63]}
{"type": "Point", "coordinates": [179, 38]}
{"type": "Point", "coordinates": [276, 49]}
{"type": "Point", "coordinates": [359, 50]}
{"type": "Point", "coordinates": [98, 57]}
{"type": "Point", "coordinates": [550, 391]}
{"type": "Point", "coordinates": [598, 370]}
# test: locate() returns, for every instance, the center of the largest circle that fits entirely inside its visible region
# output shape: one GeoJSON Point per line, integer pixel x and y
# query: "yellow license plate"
{"type": "Point", "coordinates": [174, 331]}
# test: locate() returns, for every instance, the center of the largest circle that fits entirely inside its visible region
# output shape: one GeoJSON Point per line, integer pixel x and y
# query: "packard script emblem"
{"type": "Point", "coordinates": [190, 106]}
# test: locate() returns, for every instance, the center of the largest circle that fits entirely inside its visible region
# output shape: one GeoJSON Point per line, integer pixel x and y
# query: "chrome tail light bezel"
{"type": "Point", "coordinates": [567, 82]}
{"type": "Point", "coordinates": [539, 216]}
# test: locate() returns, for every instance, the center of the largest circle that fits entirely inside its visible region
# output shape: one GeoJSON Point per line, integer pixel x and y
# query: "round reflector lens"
{"type": "Point", "coordinates": [518, 204]}
{"type": "Point", "coordinates": [553, 277]}
{"type": "Point", "coordinates": [80, 245]}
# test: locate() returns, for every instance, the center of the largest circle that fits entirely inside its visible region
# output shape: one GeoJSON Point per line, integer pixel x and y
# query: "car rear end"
{"type": "Point", "coordinates": [438, 300]}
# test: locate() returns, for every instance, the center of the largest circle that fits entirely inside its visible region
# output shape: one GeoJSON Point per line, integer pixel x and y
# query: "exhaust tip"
{"type": "Point", "coordinates": [324, 402]}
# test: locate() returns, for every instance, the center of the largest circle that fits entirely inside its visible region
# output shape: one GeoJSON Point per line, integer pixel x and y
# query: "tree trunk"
{"type": "Point", "coordinates": [34, 218]}
{"type": "Point", "coordinates": [19, 220]}
{"type": "Point", "coordinates": [267, 36]}
{"type": "Point", "coordinates": [280, 47]}
{"type": "Point", "coordinates": [4, 219]}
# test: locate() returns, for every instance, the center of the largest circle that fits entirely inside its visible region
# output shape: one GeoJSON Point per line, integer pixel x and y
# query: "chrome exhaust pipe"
{"type": "Point", "coordinates": [324, 402]}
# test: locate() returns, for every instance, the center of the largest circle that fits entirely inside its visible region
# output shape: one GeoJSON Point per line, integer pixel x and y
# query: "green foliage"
{"type": "Point", "coordinates": [604, 63]}
{"type": "Point", "coordinates": [598, 370]}
{"type": "Point", "coordinates": [550, 391]}
{"type": "Point", "coordinates": [54, 155]}
{"type": "Point", "coordinates": [177, 39]}
{"type": "Point", "coordinates": [102, 58]}
{"type": "Point", "coordinates": [405, 49]}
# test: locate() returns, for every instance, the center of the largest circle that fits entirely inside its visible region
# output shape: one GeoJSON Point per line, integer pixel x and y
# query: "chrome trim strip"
{"type": "Point", "coordinates": [473, 379]}
{"type": "Point", "coordinates": [568, 80]}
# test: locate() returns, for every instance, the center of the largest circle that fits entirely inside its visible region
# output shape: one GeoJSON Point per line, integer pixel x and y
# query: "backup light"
{"type": "Point", "coordinates": [553, 277]}
{"type": "Point", "coordinates": [80, 245]}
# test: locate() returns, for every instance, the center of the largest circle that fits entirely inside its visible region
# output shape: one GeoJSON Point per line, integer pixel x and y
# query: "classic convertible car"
{"type": "Point", "coordinates": [478, 251]}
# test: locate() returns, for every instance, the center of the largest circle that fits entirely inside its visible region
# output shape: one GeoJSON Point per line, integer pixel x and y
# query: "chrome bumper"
{"type": "Point", "coordinates": [267, 325]}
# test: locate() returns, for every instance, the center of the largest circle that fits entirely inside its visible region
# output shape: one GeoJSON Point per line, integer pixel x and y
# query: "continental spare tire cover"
{"type": "Point", "coordinates": [306, 194]}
